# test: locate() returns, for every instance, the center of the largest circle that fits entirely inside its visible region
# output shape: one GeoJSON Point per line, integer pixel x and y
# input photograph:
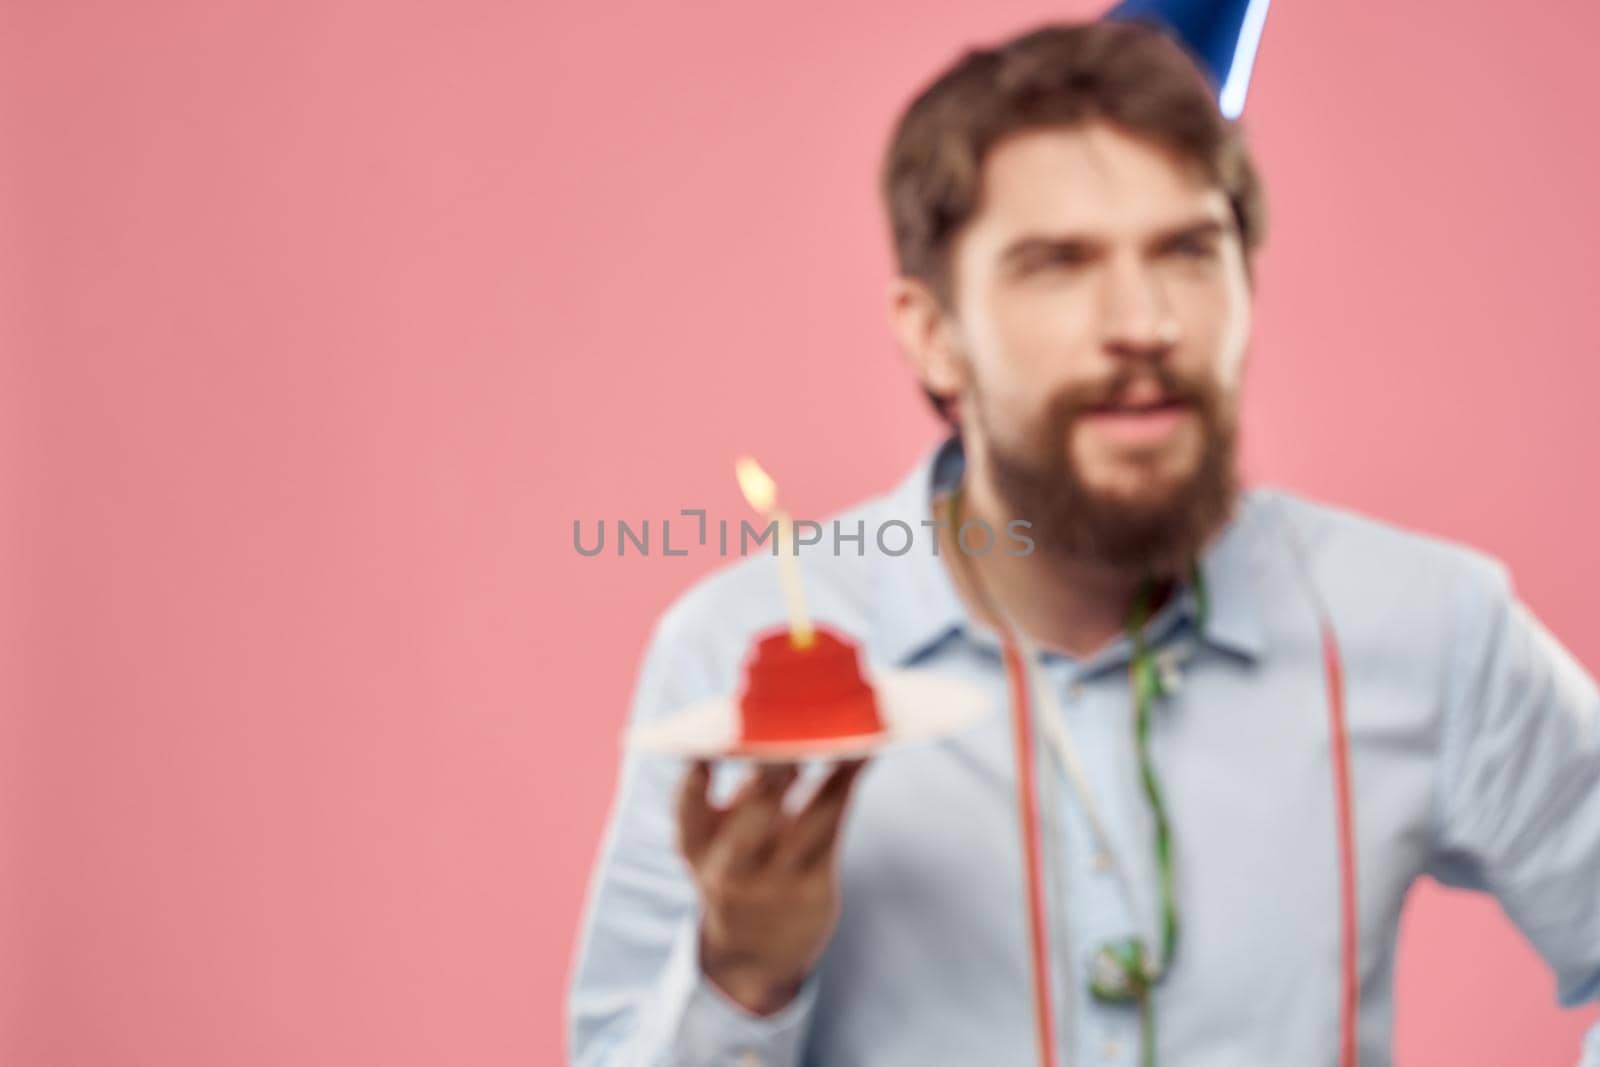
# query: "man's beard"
{"type": "Point", "coordinates": [1162, 535]}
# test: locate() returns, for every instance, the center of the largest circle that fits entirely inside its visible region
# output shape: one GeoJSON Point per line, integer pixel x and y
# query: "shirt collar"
{"type": "Point", "coordinates": [918, 605]}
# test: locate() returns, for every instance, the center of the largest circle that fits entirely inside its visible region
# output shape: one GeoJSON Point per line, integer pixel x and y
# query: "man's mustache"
{"type": "Point", "coordinates": [1075, 401]}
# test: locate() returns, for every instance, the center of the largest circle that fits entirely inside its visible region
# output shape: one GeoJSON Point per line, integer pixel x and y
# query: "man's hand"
{"type": "Point", "coordinates": [768, 879]}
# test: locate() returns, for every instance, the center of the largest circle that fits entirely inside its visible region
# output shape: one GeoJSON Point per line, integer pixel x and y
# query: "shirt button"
{"type": "Point", "coordinates": [749, 1059]}
{"type": "Point", "coordinates": [1111, 1049]}
{"type": "Point", "coordinates": [1075, 690]}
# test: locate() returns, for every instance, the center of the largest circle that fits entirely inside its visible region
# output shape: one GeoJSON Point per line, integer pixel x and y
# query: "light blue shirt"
{"type": "Point", "coordinates": [1475, 758]}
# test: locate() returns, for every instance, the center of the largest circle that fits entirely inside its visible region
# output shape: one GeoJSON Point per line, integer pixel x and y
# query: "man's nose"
{"type": "Point", "coordinates": [1138, 318]}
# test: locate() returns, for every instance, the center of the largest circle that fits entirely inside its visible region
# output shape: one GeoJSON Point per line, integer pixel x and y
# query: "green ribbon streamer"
{"type": "Point", "coordinates": [1131, 971]}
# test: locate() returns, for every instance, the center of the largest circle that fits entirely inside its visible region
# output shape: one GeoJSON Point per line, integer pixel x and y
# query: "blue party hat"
{"type": "Point", "coordinates": [1222, 34]}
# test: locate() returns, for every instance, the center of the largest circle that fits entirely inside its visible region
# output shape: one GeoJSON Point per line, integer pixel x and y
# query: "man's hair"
{"type": "Point", "coordinates": [1129, 74]}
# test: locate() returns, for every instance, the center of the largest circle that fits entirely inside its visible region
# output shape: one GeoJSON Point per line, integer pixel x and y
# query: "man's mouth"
{"type": "Point", "coordinates": [1140, 407]}
{"type": "Point", "coordinates": [1139, 424]}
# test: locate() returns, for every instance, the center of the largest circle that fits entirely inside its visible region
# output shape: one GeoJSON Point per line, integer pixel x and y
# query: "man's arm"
{"type": "Point", "coordinates": [1519, 805]}
{"type": "Point", "coordinates": [639, 995]}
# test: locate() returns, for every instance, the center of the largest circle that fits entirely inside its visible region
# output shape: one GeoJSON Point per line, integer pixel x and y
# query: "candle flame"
{"type": "Point", "coordinates": [756, 485]}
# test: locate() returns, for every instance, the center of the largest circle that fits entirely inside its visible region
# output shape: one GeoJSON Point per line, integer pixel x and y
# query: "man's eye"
{"type": "Point", "coordinates": [1059, 259]}
{"type": "Point", "coordinates": [1194, 248]}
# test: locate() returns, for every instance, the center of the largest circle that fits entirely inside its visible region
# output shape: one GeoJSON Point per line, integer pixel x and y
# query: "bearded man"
{"type": "Point", "coordinates": [1075, 225]}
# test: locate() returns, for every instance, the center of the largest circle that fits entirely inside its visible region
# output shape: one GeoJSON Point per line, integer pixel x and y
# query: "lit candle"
{"type": "Point", "coordinates": [762, 494]}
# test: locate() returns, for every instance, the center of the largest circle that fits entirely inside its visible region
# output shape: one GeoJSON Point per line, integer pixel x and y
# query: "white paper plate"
{"type": "Point", "coordinates": [914, 706]}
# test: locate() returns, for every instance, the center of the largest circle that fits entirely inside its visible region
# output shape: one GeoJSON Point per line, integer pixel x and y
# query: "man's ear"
{"type": "Point", "coordinates": [927, 337]}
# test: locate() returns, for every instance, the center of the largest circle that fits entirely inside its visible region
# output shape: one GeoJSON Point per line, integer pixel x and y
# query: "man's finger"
{"type": "Point", "coordinates": [751, 822]}
{"type": "Point", "coordinates": [697, 819]}
{"type": "Point", "coordinates": [815, 830]}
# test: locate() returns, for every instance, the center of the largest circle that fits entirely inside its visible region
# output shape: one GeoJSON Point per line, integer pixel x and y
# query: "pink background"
{"type": "Point", "coordinates": [323, 321]}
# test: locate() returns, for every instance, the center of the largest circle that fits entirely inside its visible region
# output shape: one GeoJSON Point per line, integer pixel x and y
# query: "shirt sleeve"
{"type": "Point", "coordinates": [1519, 806]}
{"type": "Point", "coordinates": [638, 996]}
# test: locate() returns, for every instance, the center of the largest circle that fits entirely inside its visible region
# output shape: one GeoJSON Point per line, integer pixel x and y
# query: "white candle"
{"type": "Point", "coordinates": [794, 593]}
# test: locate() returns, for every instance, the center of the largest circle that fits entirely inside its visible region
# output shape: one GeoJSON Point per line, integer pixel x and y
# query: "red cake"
{"type": "Point", "coordinates": [805, 694]}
